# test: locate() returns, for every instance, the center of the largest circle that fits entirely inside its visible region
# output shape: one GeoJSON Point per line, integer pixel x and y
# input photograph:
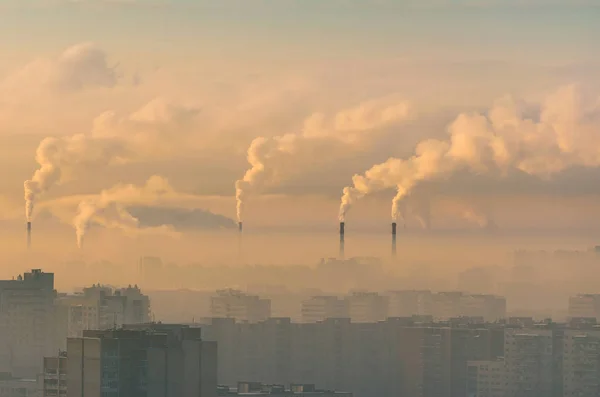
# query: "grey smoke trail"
{"type": "Point", "coordinates": [275, 158]}
{"type": "Point", "coordinates": [564, 136]}
{"type": "Point", "coordinates": [109, 207]}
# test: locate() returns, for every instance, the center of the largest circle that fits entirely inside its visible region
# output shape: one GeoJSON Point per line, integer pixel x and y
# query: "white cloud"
{"type": "Point", "coordinates": [82, 66]}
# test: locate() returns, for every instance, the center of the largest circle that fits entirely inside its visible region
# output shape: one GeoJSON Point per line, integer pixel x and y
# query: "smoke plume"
{"type": "Point", "coordinates": [272, 159]}
{"type": "Point", "coordinates": [114, 140]}
{"type": "Point", "coordinates": [109, 208]}
{"type": "Point", "coordinates": [58, 159]}
{"type": "Point", "coordinates": [563, 134]}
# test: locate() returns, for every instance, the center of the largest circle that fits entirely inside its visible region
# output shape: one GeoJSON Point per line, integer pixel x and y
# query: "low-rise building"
{"type": "Point", "coordinates": [17, 387]}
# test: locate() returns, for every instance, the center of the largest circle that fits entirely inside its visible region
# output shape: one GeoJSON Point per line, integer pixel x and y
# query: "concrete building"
{"type": "Point", "coordinates": [409, 303]}
{"type": "Point", "coordinates": [144, 360]}
{"type": "Point", "coordinates": [240, 306]}
{"type": "Point", "coordinates": [100, 307]}
{"type": "Point", "coordinates": [529, 362]}
{"type": "Point", "coordinates": [581, 363]}
{"type": "Point", "coordinates": [446, 305]}
{"type": "Point", "coordinates": [17, 387]}
{"type": "Point", "coordinates": [54, 377]}
{"type": "Point", "coordinates": [367, 307]}
{"type": "Point", "coordinates": [27, 323]}
{"type": "Point", "coordinates": [489, 307]}
{"type": "Point", "coordinates": [260, 389]}
{"type": "Point", "coordinates": [320, 308]}
{"type": "Point", "coordinates": [584, 306]}
{"type": "Point", "coordinates": [485, 378]}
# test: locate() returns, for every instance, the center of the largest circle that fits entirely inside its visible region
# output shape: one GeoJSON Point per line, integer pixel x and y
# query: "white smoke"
{"type": "Point", "coordinates": [109, 208]}
{"type": "Point", "coordinates": [114, 140]}
{"type": "Point", "coordinates": [565, 135]}
{"type": "Point", "coordinates": [275, 158]}
{"type": "Point", "coordinates": [59, 158]}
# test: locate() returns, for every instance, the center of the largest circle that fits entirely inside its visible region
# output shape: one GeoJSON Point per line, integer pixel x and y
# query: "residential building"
{"type": "Point", "coordinates": [17, 387]}
{"type": "Point", "coordinates": [585, 306]}
{"type": "Point", "coordinates": [529, 362]}
{"type": "Point", "coordinates": [320, 308]}
{"type": "Point", "coordinates": [143, 360]}
{"type": "Point", "coordinates": [100, 307]}
{"type": "Point", "coordinates": [581, 363]}
{"type": "Point", "coordinates": [54, 377]}
{"type": "Point", "coordinates": [485, 378]}
{"type": "Point", "coordinates": [409, 303]}
{"type": "Point", "coordinates": [27, 323]}
{"type": "Point", "coordinates": [259, 389]}
{"type": "Point", "coordinates": [367, 307]}
{"type": "Point", "coordinates": [235, 304]}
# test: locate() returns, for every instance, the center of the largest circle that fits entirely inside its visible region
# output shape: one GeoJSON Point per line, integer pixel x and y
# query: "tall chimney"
{"type": "Point", "coordinates": [28, 235]}
{"type": "Point", "coordinates": [393, 239]}
{"type": "Point", "coordinates": [240, 226]}
{"type": "Point", "coordinates": [342, 240]}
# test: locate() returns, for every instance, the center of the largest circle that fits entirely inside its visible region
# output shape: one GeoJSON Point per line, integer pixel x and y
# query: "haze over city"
{"type": "Point", "coordinates": [373, 171]}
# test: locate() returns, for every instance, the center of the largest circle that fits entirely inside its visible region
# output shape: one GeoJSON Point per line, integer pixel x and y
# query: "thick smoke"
{"type": "Point", "coordinates": [564, 134]}
{"type": "Point", "coordinates": [109, 208]}
{"type": "Point", "coordinates": [59, 158]}
{"type": "Point", "coordinates": [114, 140]}
{"type": "Point", "coordinates": [273, 159]}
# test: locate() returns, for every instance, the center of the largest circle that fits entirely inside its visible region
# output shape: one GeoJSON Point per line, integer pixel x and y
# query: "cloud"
{"type": "Point", "coordinates": [180, 218]}
{"type": "Point", "coordinates": [80, 67]}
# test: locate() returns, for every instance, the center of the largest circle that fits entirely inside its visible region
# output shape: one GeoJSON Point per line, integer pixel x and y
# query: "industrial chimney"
{"type": "Point", "coordinates": [342, 240]}
{"type": "Point", "coordinates": [240, 226]}
{"type": "Point", "coordinates": [28, 235]}
{"type": "Point", "coordinates": [394, 239]}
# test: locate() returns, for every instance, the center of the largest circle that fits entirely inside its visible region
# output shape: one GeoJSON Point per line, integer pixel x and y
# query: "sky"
{"type": "Point", "coordinates": [140, 113]}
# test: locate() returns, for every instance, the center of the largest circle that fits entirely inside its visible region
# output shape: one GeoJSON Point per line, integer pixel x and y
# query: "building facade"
{"type": "Point", "coordinates": [320, 308]}
{"type": "Point", "coordinates": [146, 360]}
{"type": "Point", "coordinates": [27, 323]}
{"type": "Point", "coordinates": [54, 377]}
{"type": "Point", "coordinates": [242, 307]}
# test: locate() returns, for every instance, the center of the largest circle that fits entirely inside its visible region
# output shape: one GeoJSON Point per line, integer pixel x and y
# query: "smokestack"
{"type": "Point", "coordinates": [240, 226]}
{"type": "Point", "coordinates": [28, 235]}
{"type": "Point", "coordinates": [342, 227]}
{"type": "Point", "coordinates": [393, 239]}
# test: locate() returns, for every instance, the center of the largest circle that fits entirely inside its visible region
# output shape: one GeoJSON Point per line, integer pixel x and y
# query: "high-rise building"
{"type": "Point", "coordinates": [489, 307]}
{"type": "Point", "coordinates": [27, 323]}
{"type": "Point", "coordinates": [529, 362]}
{"type": "Point", "coordinates": [99, 307]}
{"type": "Point", "coordinates": [240, 306]}
{"type": "Point", "coordinates": [145, 360]}
{"type": "Point", "coordinates": [409, 303]}
{"type": "Point", "coordinates": [585, 306]}
{"type": "Point", "coordinates": [581, 363]}
{"type": "Point", "coordinates": [367, 307]}
{"type": "Point", "coordinates": [485, 378]}
{"type": "Point", "coordinates": [320, 308]}
{"type": "Point", "coordinates": [54, 377]}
